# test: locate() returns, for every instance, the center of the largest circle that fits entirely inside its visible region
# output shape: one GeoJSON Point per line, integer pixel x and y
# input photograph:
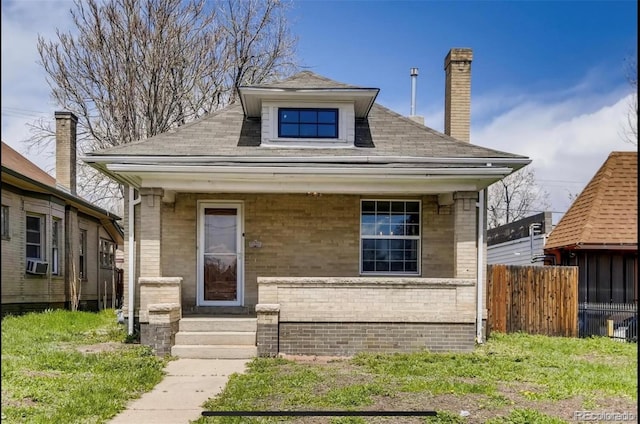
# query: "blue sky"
{"type": "Point", "coordinates": [548, 77]}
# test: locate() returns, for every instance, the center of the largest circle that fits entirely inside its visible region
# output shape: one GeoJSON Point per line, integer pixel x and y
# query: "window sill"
{"type": "Point", "coordinates": [390, 274]}
{"type": "Point", "coordinates": [309, 143]}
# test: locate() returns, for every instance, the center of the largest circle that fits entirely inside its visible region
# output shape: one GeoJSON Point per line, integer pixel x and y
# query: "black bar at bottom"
{"type": "Point", "coordinates": [319, 413]}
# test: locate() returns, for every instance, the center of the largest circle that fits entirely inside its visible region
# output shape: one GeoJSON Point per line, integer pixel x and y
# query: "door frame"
{"type": "Point", "coordinates": [228, 204]}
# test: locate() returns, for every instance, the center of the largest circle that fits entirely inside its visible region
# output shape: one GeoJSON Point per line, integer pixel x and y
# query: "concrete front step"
{"type": "Point", "coordinates": [247, 338]}
{"type": "Point", "coordinates": [209, 324]}
{"type": "Point", "coordinates": [214, 352]}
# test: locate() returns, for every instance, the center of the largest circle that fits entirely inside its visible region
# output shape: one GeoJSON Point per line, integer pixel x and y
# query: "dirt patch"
{"type": "Point", "coordinates": [103, 347]}
{"type": "Point", "coordinates": [22, 403]}
{"type": "Point", "coordinates": [31, 373]}
{"type": "Point", "coordinates": [476, 408]}
{"type": "Point", "coordinates": [306, 359]}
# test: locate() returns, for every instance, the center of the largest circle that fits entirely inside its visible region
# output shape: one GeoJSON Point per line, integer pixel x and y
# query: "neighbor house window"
{"type": "Point", "coordinates": [35, 237]}
{"type": "Point", "coordinates": [83, 254]}
{"type": "Point", "coordinates": [55, 246]}
{"type": "Point", "coordinates": [307, 123]}
{"type": "Point", "coordinates": [107, 253]}
{"type": "Point", "coordinates": [390, 237]}
{"type": "Point", "coordinates": [5, 222]}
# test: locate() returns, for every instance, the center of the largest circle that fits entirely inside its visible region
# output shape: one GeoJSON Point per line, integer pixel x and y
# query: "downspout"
{"type": "Point", "coordinates": [132, 267]}
{"type": "Point", "coordinates": [480, 263]}
{"type": "Point", "coordinates": [532, 230]}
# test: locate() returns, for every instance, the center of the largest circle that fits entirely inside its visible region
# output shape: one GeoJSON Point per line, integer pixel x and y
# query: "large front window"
{"type": "Point", "coordinates": [307, 123]}
{"type": "Point", "coordinates": [390, 237]}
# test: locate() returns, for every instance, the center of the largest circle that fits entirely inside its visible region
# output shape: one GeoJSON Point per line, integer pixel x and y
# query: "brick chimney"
{"type": "Point", "coordinates": [457, 93]}
{"type": "Point", "coordinates": [66, 123]}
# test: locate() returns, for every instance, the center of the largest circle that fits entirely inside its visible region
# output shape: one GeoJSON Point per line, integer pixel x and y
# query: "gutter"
{"type": "Point", "coordinates": [283, 170]}
{"type": "Point", "coordinates": [480, 265]}
{"type": "Point", "coordinates": [487, 161]}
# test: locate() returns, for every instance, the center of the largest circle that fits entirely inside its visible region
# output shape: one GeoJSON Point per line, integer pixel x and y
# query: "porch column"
{"type": "Point", "coordinates": [464, 239]}
{"type": "Point", "coordinates": [150, 232]}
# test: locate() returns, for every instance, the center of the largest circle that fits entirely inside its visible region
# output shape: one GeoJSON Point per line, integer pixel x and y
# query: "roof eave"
{"type": "Point", "coordinates": [251, 97]}
{"type": "Point", "coordinates": [86, 207]}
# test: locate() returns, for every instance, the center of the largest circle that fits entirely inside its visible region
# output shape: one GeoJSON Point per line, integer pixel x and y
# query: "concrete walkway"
{"type": "Point", "coordinates": [178, 398]}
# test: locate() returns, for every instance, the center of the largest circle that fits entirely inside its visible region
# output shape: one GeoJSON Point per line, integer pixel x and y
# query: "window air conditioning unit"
{"type": "Point", "coordinates": [36, 266]}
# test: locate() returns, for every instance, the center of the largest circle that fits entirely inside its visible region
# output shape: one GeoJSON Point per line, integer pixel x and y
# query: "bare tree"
{"type": "Point", "coordinates": [630, 132]}
{"type": "Point", "coordinates": [514, 197]}
{"type": "Point", "coordinates": [136, 68]}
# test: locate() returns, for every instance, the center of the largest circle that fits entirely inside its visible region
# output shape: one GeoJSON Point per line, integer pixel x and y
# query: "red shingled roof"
{"type": "Point", "coordinates": [606, 212]}
{"type": "Point", "coordinates": [18, 163]}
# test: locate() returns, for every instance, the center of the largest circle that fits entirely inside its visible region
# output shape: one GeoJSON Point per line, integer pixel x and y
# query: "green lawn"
{"type": "Point", "coordinates": [71, 367]}
{"type": "Point", "coordinates": [514, 378]}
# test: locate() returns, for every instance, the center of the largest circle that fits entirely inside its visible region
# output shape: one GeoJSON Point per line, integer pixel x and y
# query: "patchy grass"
{"type": "Point", "coordinates": [71, 367]}
{"type": "Point", "coordinates": [515, 378]}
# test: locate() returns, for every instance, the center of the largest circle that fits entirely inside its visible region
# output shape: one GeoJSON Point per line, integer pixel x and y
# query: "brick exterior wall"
{"type": "Point", "coordinates": [301, 236]}
{"type": "Point", "coordinates": [465, 235]}
{"type": "Point", "coordinates": [151, 233]}
{"type": "Point", "coordinates": [159, 336]}
{"type": "Point", "coordinates": [348, 338]}
{"type": "Point", "coordinates": [343, 316]}
{"type": "Point", "coordinates": [369, 299]}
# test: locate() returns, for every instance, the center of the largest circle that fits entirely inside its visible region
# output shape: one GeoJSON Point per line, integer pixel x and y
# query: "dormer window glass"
{"type": "Point", "coordinates": [307, 123]}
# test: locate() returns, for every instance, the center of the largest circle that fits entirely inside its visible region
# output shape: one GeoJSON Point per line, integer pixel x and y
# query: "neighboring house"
{"type": "Point", "coordinates": [47, 231]}
{"type": "Point", "coordinates": [342, 225]}
{"type": "Point", "coordinates": [599, 233]}
{"type": "Point", "coordinates": [520, 242]}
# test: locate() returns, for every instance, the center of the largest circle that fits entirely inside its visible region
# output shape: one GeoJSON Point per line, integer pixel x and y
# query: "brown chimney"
{"type": "Point", "coordinates": [457, 93]}
{"type": "Point", "coordinates": [66, 123]}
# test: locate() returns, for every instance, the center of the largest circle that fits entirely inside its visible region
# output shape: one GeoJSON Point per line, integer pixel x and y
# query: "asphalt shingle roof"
{"type": "Point", "coordinates": [306, 79]}
{"type": "Point", "coordinates": [228, 133]}
{"type": "Point", "coordinates": [18, 163]}
{"type": "Point", "coordinates": [606, 212]}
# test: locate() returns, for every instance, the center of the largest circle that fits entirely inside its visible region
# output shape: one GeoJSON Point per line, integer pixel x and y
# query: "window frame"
{"type": "Point", "coordinates": [298, 136]}
{"type": "Point", "coordinates": [82, 255]}
{"type": "Point", "coordinates": [107, 253]}
{"type": "Point", "coordinates": [417, 238]}
{"type": "Point", "coordinates": [42, 235]}
{"type": "Point", "coordinates": [56, 236]}
{"type": "Point", "coordinates": [6, 231]}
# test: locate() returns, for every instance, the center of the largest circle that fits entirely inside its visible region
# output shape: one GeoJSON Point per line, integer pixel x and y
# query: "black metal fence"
{"type": "Point", "coordinates": [615, 320]}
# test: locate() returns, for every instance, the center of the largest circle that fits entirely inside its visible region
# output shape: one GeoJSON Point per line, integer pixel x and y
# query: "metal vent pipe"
{"type": "Point", "coordinates": [414, 81]}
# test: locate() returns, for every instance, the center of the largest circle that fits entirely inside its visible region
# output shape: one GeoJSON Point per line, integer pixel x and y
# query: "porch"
{"type": "Point", "coordinates": [304, 265]}
{"type": "Point", "coordinates": [317, 316]}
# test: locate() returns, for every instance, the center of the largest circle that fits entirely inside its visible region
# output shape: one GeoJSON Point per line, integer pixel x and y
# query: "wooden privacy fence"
{"type": "Point", "coordinates": [533, 299]}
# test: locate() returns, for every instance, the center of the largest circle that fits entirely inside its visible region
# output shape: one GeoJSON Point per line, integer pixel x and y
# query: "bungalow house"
{"type": "Point", "coordinates": [599, 233]}
{"type": "Point", "coordinates": [308, 219]}
{"type": "Point", "coordinates": [48, 232]}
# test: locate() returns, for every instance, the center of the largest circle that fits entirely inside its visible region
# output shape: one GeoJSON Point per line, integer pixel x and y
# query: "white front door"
{"type": "Point", "coordinates": [220, 254]}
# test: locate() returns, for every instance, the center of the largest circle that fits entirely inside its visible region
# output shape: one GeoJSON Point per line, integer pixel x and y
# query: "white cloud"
{"type": "Point", "coordinates": [567, 140]}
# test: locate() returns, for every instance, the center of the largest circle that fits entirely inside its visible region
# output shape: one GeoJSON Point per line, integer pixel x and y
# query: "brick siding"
{"type": "Point", "coordinates": [348, 338]}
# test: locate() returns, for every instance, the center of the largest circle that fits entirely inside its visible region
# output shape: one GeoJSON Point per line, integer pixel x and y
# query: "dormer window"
{"type": "Point", "coordinates": [307, 123]}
